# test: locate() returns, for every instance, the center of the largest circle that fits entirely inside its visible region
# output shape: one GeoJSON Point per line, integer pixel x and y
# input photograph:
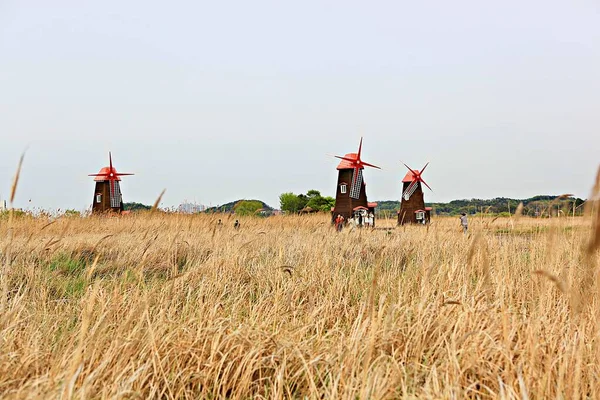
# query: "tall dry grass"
{"type": "Point", "coordinates": [172, 306]}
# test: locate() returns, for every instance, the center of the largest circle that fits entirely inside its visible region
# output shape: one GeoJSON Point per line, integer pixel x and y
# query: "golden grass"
{"type": "Point", "coordinates": [172, 306]}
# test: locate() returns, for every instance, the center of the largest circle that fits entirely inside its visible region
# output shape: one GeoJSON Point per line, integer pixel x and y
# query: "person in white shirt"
{"type": "Point", "coordinates": [464, 223]}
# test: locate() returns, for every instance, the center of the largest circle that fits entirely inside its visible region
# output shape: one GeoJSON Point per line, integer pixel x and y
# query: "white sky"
{"type": "Point", "coordinates": [216, 101]}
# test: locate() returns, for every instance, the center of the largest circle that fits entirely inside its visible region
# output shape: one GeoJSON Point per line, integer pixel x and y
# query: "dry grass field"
{"type": "Point", "coordinates": [171, 306]}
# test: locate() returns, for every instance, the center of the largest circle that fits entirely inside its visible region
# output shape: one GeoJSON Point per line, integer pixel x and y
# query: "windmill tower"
{"type": "Point", "coordinates": [412, 204]}
{"type": "Point", "coordinates": [107, 195]}
{"type": "Point", "coordinates": [351, 194]}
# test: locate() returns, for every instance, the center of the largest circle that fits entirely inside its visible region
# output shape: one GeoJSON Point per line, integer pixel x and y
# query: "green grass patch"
{"type": "Point", "coordinates": [66, 264]}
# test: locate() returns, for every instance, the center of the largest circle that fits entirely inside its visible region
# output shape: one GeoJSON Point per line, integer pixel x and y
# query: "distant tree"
{"type": "Point", "coordinates": [543, 205]}
{"type": "Point", "coordinates": [132, 206]}
{"type": "Point", "coordinates": [247, 207]}
{"type": "Point", "coordinates": [321, 203]}
{"type": "Point", "coordinates": [229, 207]}
{"type": "Point", "coordinates": [291, 203]}
{"type": "Point", "coordinates": [17, 213]}
{"type": "Point", "coordinates": [302, 201]}
{"type": "Point", "coordinates": [329, 203]}
{"type": "Point", "coordinates": [311, 194]}
{"type": "Point", "coordinates": [72, 213]}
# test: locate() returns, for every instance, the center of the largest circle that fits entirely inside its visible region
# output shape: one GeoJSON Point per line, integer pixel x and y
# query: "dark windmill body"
{"type": "Point", "coordinates": [412, 204]}
{"type": "Point", "coordinates": [351, 194]}
{"type": "Point", "coordinates": [107, 193]}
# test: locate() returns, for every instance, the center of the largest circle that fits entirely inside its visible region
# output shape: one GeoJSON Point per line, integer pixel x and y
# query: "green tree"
{"type": "Point", "coordinates": [312, 194]}
{"type": "Point", "coordinates": [132, 206]}
{"type": "Point", "coordinates": [321, 203]}
{"type": "Point", "coordinates": [72, 213]}
{"type": "Point", "coordinates": [291, 203]}
{"type": "Point", "coordinates": [247, 207]}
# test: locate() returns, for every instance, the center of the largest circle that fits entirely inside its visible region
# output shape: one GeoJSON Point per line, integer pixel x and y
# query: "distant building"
{"type": "Point", "coordinates": [190, 208]}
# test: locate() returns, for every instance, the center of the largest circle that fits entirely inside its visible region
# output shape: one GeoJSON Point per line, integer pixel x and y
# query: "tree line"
{"type": "Point", "coordinates": [536, 206]}
{"type": "Point", "coordinates": [294, 203]}
{"type": "Point", "coordinates": [291, 203]}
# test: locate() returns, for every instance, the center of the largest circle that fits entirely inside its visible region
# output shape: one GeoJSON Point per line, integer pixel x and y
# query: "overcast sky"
{"type": "Point", "coordinates": [220, 100]}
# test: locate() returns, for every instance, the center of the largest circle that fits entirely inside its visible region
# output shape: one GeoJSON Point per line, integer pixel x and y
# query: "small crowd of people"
{"type": "Point", "coordinates": [367, 220]}
{"type": "Point", "coordinates": [359, 220]}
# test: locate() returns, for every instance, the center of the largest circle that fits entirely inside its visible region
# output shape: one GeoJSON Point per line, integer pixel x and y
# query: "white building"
{"type": "Point", "coordinates": [190, 208]}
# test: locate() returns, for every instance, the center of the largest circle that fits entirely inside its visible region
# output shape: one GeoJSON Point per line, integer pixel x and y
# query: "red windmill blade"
{"type": "Point", "coordinates": [356, 160]}
{"type": "Point", "coordinates": [421, 178]}
{"type": "Point", "coordinates": [112, 173]}
{"type": "Point", "coordinates": [415, 179]}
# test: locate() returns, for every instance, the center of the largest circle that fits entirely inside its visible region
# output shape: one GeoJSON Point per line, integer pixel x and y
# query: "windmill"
{"type": "Point", "coordinates": [351, 194]}
{"type": "Point", "coordinates": [412, 204]}
{"type": "Point", "coordinates": [107, 195]}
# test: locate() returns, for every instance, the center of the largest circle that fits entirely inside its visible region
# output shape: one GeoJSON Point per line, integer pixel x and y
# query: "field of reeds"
{"type": "Point", "coordinates": [175, 306]}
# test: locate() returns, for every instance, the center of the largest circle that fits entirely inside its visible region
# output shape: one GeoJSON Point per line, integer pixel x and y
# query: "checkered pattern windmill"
{"type": "Point", "coordinates": [357, 164]}
{"type": "Point", "coordinates": [108, 176]}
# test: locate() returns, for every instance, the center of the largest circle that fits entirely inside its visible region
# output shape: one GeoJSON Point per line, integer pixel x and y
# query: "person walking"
{"type": "Point", "coordinates": [339, 223]}
{"type": "Point", "coordinates": [236, 224]}
{"type": "Point", "coordinates": [464, 223]}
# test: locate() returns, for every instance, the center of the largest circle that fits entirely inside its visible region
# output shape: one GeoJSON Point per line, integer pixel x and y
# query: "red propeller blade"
{"type": "Point", "coordinates": [110, 161]}
{"type": "Point", "coordinates": [425, 183]}
{"type": "Point", "coordinates": [411, 170]}
{"type": "Point", "coordinates": [103, 174]}
{"type": "Point", "coordinates": [352, 160]}
{"type": "Point", "coordinates": [421, 173]}
{"type": "Point", "coordinates": [359, 149]}
{"type": "Point", "coordinates": [370, 165]}
{"type": "Point", "coordinates": [123, 173]}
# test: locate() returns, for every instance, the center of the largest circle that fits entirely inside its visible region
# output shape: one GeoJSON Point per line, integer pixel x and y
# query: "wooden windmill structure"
{"type": "Point", "coordinates": [107, 194]}
{"type": "Point", "coordinates": [351, 193]}
{"type": "Point", "coordinates": [412, 204]}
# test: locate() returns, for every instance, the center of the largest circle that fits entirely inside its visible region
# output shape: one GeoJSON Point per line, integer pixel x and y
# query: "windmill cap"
{"type": "Point", "coordinates": [106, 171]}
{"type": "Point", "coordinates": [409, 176]}
{"type": "Point", "coordinates": [345, 164]}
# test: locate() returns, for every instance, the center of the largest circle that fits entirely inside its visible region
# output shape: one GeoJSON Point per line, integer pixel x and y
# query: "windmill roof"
{"type": "Point", "coordinates": [106, 170]}
{"type": "Point", "coordinates": [409, 176]}
{"type": "Point", "coordinates": [344, 164]}
{"type": "Point", "coordinates": [372, 205]}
